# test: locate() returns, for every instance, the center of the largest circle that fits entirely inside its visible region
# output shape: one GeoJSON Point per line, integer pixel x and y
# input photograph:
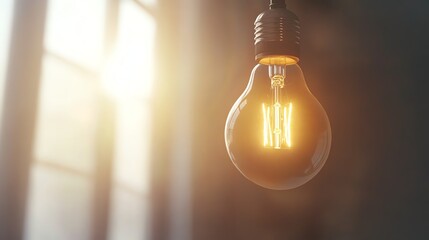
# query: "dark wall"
{"type": "Point", "coordinates": [366, 63]}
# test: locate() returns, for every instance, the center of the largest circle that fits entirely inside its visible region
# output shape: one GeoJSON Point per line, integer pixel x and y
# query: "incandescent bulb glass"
{"type": "Point", "coordinates": [277, 134]}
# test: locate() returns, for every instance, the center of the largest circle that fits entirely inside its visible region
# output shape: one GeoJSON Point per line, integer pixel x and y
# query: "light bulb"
{"type": "Point", "coordinates": [277, 134]}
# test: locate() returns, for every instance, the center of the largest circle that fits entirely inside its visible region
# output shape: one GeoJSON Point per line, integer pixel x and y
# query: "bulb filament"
{"type": "Point", "coordinates": [277, 125]}
{"type": "Point", "coordinates": [277, 117]}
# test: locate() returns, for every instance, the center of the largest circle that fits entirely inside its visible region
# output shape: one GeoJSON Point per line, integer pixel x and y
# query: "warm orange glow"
{"type": "Point", "coordinates": [277, 131]}
{"type": "Point", "coordinates": [287, 121]}
{"type": "Point", "coordinates": [279, 60]}
{"type": "Point", "coordinates": [281, 132]}
{"type": "Point", "coordinates": [265, 125]}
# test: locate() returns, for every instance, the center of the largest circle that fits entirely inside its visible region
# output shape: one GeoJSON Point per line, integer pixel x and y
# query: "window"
{"type": "Point", "coordinates": [80, 76]}
{"type": "Point", "coordinates": [128, 80]}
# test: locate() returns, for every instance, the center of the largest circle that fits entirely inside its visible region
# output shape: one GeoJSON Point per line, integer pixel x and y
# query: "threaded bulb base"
{"type": "Point", "coordinates": [277, 36]}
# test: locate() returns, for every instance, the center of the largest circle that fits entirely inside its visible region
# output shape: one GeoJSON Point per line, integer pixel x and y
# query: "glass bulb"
{"type": "Point", "coordinates": [277, 134]}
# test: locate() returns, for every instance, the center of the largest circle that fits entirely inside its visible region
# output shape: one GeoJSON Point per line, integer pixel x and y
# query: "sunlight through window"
{"type": "Point", "coordinates": [128, 80]}
{"type": "Point", "coordinates": [76, 78]}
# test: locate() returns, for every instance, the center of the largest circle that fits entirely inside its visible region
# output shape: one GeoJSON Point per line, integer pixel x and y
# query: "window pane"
{"type": "Point", "coordinates": [129, 81]}
{"type": "Point", "coordinates": [148, 2]}
{"type": "Point", "coordinates": [130, 71]}
{"type": "Point", "coordinates": [6, 12]}
{"type": "Point", "coordinates": [74, 30]}
{"type": "Point", "coordinates": [59, 205]}
{"type": "Point", "coordinates": [129, 215]}
{"type": "Point", "coordinates": [66, 123]}
{"type": "Point", "coordinates": [131, 166]}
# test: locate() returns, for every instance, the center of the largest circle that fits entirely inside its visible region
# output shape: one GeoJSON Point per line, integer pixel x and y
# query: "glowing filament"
{"type": "Point", "coordinates": [277, 130]}
{"type": "Point", "coordinates": [280, 136]}
{"type": "Point", "coordinates": [287, 121]}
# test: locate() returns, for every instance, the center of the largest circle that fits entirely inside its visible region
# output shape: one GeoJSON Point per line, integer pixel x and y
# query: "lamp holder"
{"type": "Point", "coordinates": [277, 33]}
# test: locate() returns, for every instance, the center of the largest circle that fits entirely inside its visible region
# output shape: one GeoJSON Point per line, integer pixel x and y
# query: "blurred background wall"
{"type": "Point", "coordinates": [113, 114]}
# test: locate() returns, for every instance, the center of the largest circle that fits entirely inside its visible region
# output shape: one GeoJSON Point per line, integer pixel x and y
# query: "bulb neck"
{"type": "Point", "coordinates": [277, 35]}
{"type": "Point", "coordinates": [277, 4]}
